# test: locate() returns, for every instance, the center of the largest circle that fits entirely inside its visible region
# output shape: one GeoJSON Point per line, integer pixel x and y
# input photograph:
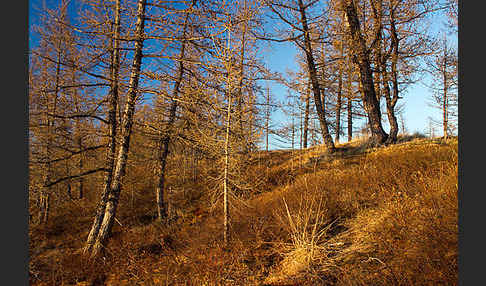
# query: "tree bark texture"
{"type": "Point", "coordinates": [391, 100]}
{"type": "Point", "coordinates": [112, 121]}
{"type": "Point", "coordinates": [126, 129]}
{"type": "Point", "coordinates": [361, 57]}
{"type": "Point", "coordinates": [226, 235]}
{"type": "Point", "coordinates": [328, 141]}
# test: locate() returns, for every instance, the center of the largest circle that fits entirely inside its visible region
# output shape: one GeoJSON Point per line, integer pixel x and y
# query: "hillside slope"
{"type": "Point", "coordinates": [363, 216]}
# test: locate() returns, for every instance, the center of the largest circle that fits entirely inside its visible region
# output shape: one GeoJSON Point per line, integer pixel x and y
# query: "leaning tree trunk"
{"type": "Point", "coordinates": [391, 101]}
{"type": "Point", "coordinates": [112, 121]}
{"type": "Point", "coordinates": [361, 57]}
{"type": "Point", "coordinates": [165, 140]}
{"type": "Point", "coordinates": [315, 83]}
{"type": "Point", "coordinates": [126, 129]}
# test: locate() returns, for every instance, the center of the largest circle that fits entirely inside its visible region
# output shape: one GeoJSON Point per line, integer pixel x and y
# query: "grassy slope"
{"type": "Point", "coordinates": [384, 216]}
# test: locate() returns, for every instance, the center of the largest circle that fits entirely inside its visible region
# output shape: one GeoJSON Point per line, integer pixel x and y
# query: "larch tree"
{"type": "Point", "coordinates": [296, 15]}
{"type": "Point", "coordinates": [112, 131]}
{"type": "Point", "coordinates": [60, 116]}
{"type": "Point", "coordinates": [126, 129]}
{"type": "Point", "coordinates": [165, 138]}
{"type": "Point", "coordinates": [443, 68]}
{"type": "Point", "coordinates": [299, 88]}
{"type": "Point", "coordinates": [362, 58]}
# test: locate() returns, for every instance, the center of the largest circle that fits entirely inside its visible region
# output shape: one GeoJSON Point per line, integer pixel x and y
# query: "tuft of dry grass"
{"type": "Point", "coordinates": [307, 228]}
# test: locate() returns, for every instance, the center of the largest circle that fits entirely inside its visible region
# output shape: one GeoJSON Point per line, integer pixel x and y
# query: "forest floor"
{"type": "Point", "coordinates": [361, 216]}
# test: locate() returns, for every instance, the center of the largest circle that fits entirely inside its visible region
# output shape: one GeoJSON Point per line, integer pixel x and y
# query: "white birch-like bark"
{"type": "Point", "coordinates": [126, 129]}
{"type": "Point", "coordinates": [110, 157]}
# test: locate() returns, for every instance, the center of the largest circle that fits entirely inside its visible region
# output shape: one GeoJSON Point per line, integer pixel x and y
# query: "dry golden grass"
{"type": "Point", "coordinates": [307, 229]}
{"type": "Point", "coordinates": [401, 199]}
{"type": "Point", "coordinates": [410, 239]}
{"type": "Point", "coordinates": [379, 216]}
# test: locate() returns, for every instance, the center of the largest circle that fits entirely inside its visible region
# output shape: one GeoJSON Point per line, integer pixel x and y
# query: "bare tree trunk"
{"type": "Point", "coordinates": [391, 101]}
{"type": "Point", "coordinates": [293, 130]}
{"type": "Point", "coordinates": [126, 128]}
{"type": "Point", "coordinates": [340, 83]}
{"type": "Point", "coordinates": [80, 162]}
{"type": "Point", "coordinates": [69, 192]}
{"type": "Point", "coordinates": [349, 111]}
{"type": "Point", "coordinates": [241, 76]}
{"type": "Point", "coordinates": [349, 104]}
{"type": "Point", "coordinates": [267, 118]}
{"type": "Point", "coordinates": [112, 120]}
{"type": "Point", "coordinates": [361, 57]}
{"type": "Point", "coordinates": [376, 7]}
{"type": "Point", "coordinates": [226, 234]}
{"type": "Point", "coordinates": [392, 119]}
{"type": "Point", "coordinates": [44, 191]}
{"type": "Point", "coordinates": [77, 136]}
{"type": "Point", "coordinates": [301, 129]}
{"type": "Point", "coordinates": [159, 191]}
{"type": "Point", "coordinates": [306, 114]}
{"type": "Point", "coordinates": [164, 143]}
{"type": "Point", "coordinates": [402, 124]}
{"type": "Point", "coordinates": [315, 83]}
{"type": "Point", "coordinates": [229, 93]}
{"type": "Point", "coordinates": [390, 108]}
{"type": "Point", "coordinates": [445, 102]}
{"type": "Point", "coordinates": [250, 119]}
{"type": "Point", "coordinates": [68, 181]}
{"type": "Point", "coordinates": [444, 107]}
{"type": "Point", "coordinates": [45, 208]}
{"type": "Point", "coordinates": [338, 105]}
{"type": "Point", "coordinates": [293, 134]}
